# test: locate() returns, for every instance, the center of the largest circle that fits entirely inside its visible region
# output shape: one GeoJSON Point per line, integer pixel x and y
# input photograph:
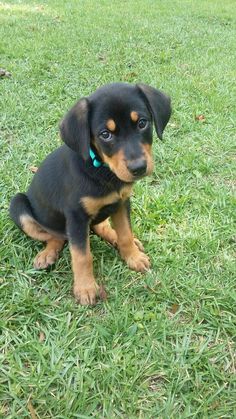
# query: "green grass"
{"type": "Point", "coordinates": [163, 345]}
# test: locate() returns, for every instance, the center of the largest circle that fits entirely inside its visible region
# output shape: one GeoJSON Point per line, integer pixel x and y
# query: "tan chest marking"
{"type": "Point", "coordinates": [93, 205]}
{"type": "Point", "coordinates": [125, 192]}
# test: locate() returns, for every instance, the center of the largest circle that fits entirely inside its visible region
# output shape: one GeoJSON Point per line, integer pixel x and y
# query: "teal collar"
{"type": "Point", "coordinates": [95, 159]}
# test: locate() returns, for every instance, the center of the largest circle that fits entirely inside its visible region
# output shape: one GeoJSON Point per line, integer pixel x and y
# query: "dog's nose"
{"type": "Point", "coordinates": [137, 167]}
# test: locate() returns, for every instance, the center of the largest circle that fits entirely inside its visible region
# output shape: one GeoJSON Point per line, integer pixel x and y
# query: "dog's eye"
{"type": "Point", "coordinates": [142, 123]}
{"type": "Point", "coordinates": [105, 135]}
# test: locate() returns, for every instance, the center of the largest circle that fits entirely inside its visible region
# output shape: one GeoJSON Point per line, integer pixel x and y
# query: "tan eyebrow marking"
{"type": "Point", "coordinates": [111, 125]}
{"type": "Point", "coordinates": [134, 116]}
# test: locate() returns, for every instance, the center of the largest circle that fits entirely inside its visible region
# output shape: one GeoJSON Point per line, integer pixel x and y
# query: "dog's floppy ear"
{"type": "Point", "coordinates": [159, 106]}
{"type": "Point", "coordinates": [75, 130]}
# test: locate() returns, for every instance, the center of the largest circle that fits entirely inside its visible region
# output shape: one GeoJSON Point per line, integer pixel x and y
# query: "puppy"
{"type": "Point", "coordinates": [108, 146]}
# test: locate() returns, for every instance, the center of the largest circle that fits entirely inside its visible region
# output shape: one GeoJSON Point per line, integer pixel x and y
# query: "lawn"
{"type": "Point", "coordinates": [163, 345]}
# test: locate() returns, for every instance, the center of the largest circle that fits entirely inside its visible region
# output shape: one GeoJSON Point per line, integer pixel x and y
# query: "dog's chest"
{"type": "Point", "coordinates": [107, 204]}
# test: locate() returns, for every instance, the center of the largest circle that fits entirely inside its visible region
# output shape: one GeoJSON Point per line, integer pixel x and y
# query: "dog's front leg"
{"type": "Point", "coordinates": [131, 250]}
{"type": "Point", "coordinates": [85, 287]}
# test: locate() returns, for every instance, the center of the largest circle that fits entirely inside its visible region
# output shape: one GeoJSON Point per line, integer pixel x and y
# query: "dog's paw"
{"type": "Point", "coordinates": [45, 259]}
{"type": "Point", "coordinates": [138, 261]}
{"type": "Point", "coordinates": [88, 295]}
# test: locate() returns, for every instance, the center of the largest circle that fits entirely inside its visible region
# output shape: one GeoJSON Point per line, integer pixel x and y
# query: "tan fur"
{"type": "Point", "coordinates": [129, 249]}
{"type": "Point", "coordinates": [111, 125]}
{"type": "Point", "coordinates": [94, 205]}
{"type": "Point", "coordinates": [105, 231]}
{"type": "Point", "coordinates": [33, 229]}
{"type": "Point", "coordinates": [147, 151]}
{"type": "Point", "coordinates": [134, 116]}
{"type": "Point", "coordinates": [50, 254]}
{"type": "Point", "coordinates": [85, 287]}
{"type": "Point", "coordinates": [117, 164]}
{"type": "Point", "coordinates": [126, 192]}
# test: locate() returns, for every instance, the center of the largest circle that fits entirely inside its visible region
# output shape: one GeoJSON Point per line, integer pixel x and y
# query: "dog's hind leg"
{"type": "Point", "coordinates": [50, 254]}
{"type": "Point", "coordinates": [21, 213]}
{"type": "Point", "coordinates": [106, 232]}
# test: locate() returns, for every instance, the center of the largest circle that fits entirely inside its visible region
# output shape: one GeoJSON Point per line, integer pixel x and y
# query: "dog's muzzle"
{"type": "Point", "coordinates": [137, 167]}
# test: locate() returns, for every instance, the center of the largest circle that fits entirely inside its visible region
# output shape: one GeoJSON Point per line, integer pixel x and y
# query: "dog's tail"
{"type": "Point", "coordinates": [19, 206]}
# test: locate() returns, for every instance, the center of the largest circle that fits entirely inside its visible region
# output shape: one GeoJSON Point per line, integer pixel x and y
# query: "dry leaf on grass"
{"type": "Point", "coordinates": [33, 169]}
{"type": "Point", "coordinates": [200, 118]}
{"type": "Point", "coordinates": [42, 337]}
{"type": "Point", "coordinates": [4, 73]}
{"type": "Point", "coordinates": [174, 308]}
{"type": "Point", "coordinates": [31, 410]}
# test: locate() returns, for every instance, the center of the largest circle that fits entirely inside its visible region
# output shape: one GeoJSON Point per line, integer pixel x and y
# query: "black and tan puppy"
{"type": "Point", "coordinates": [108, 142]}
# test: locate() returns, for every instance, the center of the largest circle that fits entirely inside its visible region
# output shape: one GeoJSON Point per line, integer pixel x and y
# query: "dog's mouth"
{"type": "Point", "coordinates": [138, 177]}
{"type": "Point", "coordinates": [127, 174]}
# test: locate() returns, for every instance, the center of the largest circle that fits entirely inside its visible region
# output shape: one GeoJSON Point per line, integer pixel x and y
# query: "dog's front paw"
{"type": "Point", "coordinates": [138, 261]}
{"type": "Point", "coordinates": [45, 258]}
{"type": "Point", "coordinates": [88, 295]}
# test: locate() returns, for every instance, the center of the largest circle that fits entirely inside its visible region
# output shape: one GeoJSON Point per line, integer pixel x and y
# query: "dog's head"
{"type": "Point", "coordinates": [117, 121]}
